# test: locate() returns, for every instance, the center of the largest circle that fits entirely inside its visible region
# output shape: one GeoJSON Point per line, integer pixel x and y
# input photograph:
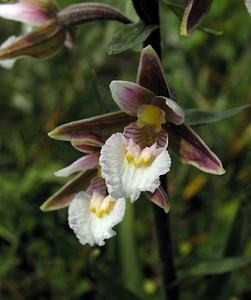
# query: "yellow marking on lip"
{"type": "Point", "coordinates": [139, 160]}
{"type": "Point", "coordinates": [102, 207]}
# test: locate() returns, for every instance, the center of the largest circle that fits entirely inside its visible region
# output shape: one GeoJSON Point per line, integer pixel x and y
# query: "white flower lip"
{"type": "Point", "coordinates": [128, 170]}
{"type": "Point", "coordinates": [90, 228]}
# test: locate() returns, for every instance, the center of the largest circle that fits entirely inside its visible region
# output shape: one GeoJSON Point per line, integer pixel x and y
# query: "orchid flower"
{"type": "Point", "coordinates": [92, 212]}
{"type": "Point", "coordinates": [132, 162]}
{"type": "Point", "coordinates": [51, 27]}
{"type": "Point", "coordinates": [134, 140]}
{"type": "Point", "coordinates": [90, 135]}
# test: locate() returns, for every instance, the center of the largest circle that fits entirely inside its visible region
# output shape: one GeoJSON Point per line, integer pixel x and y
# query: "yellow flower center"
{"type": "Point", "coordinates": [150, 115]}
{"type": "Point", "coordinates": [139, 158]}
{"type": "Point", "coordinates": [101, 206]}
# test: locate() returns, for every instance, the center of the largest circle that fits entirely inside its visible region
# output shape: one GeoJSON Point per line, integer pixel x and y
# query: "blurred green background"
{"type": "Point", "coordinates": [40, 258]}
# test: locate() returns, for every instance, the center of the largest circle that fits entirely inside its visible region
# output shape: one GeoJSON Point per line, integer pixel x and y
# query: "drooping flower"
{"type": "Point", "coordinates": [44, 41]}
{"type": "Point", "coordinates": [133, 161]}
{"type": "Point", "coordinates": [51, 27]}
{"type": "Point", "coordinates": [92, 212]}
{"type": "Point", "coordinates": [90, 134]}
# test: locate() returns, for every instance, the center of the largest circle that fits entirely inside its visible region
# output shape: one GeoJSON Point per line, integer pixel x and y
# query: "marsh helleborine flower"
{"type": "Point", "coordinates": [133, 161]}
{"type": "Point", "coordinates": [128, 149]}
{"type": "Point", "coordinates": [92, 212]}
{"type": "Point", "coordinates": [51, 27]}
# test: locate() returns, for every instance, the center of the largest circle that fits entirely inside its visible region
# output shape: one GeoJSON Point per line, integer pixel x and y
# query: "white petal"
{"type": "Point", "coordinates": [89, 228]}
{"type": "Point", "coordinates": [124, 179]}
{"type": "Point", "coordinates": [8, 63]}
{"type": "Point", "coordinates": [87, 162]}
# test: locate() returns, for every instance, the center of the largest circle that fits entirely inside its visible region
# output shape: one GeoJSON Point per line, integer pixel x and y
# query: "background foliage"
{"type": "Point", "coordinates": [40, 257]}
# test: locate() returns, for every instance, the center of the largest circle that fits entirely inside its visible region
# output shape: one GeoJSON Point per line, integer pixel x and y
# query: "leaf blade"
{"type": "Point", "coordinates": [199, 117]}
{"type": "Point", "coordinates": [129, 37]}
{"type": "Point", "coordinates": [217, 266]}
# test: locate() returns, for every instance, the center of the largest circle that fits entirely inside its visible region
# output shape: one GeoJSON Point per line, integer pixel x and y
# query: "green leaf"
{"type": "Point", "coordinates": [211, 31]}
{"type": "Point", "coordinates": [217, 266]}
{"type": "Point", "coordinates": [221, 287]}
{"type": "Point", "coordinates": [129, 264]}
{"type": "Point", "coordinates": [130, 36]}
{"type": "Point", "coordinates": [113, 287]}
{"type": "Point", "coordinates": [6, 234]}
{"type": "Point", "coordinates": [200, 117]}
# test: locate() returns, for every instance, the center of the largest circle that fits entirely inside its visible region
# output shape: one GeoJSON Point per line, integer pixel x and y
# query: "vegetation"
{"type": "Point", "coordinates": [40, 257]}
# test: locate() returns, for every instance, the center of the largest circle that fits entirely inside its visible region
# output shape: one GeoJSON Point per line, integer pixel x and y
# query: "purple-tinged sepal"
{"type": "Point", "coordinates": [97, 128]}
{"type": "Point", "coordinates": [66, 194]}
{"type": "Point", "coordinates": [151, 74]}
{"type": "Point", "coordinates": [160, 198]}
{"type": "Point", "coordinates": [88, 145]}
{"type": "Point", "coordinates": [129, 96]}
{"type": "Point", "coordinates": [194, 12]}
{"type": "Point", "coordinates": [191, 149]}
{"type": "Point", "coordinates": [87, 162]}
{"type": "Point", "coordinates": [44, 42]}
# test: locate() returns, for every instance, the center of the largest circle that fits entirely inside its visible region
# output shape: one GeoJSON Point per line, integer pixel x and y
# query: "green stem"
{"type": "Point", "coordinates": [148, 12]}
{"type": "Point", "coordinates": [129, 263]}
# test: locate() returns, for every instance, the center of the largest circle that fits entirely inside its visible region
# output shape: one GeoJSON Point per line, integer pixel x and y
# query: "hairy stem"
{"type": "Point", "coordinates": [148, 12]}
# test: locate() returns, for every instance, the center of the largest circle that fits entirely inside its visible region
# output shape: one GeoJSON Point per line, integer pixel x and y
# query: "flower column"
{"type": "Point", "coordinates": [148, 12]}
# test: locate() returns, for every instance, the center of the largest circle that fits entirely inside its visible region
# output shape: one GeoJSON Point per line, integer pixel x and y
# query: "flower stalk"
{"type": "Point", "coordinates": [85, 12]}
